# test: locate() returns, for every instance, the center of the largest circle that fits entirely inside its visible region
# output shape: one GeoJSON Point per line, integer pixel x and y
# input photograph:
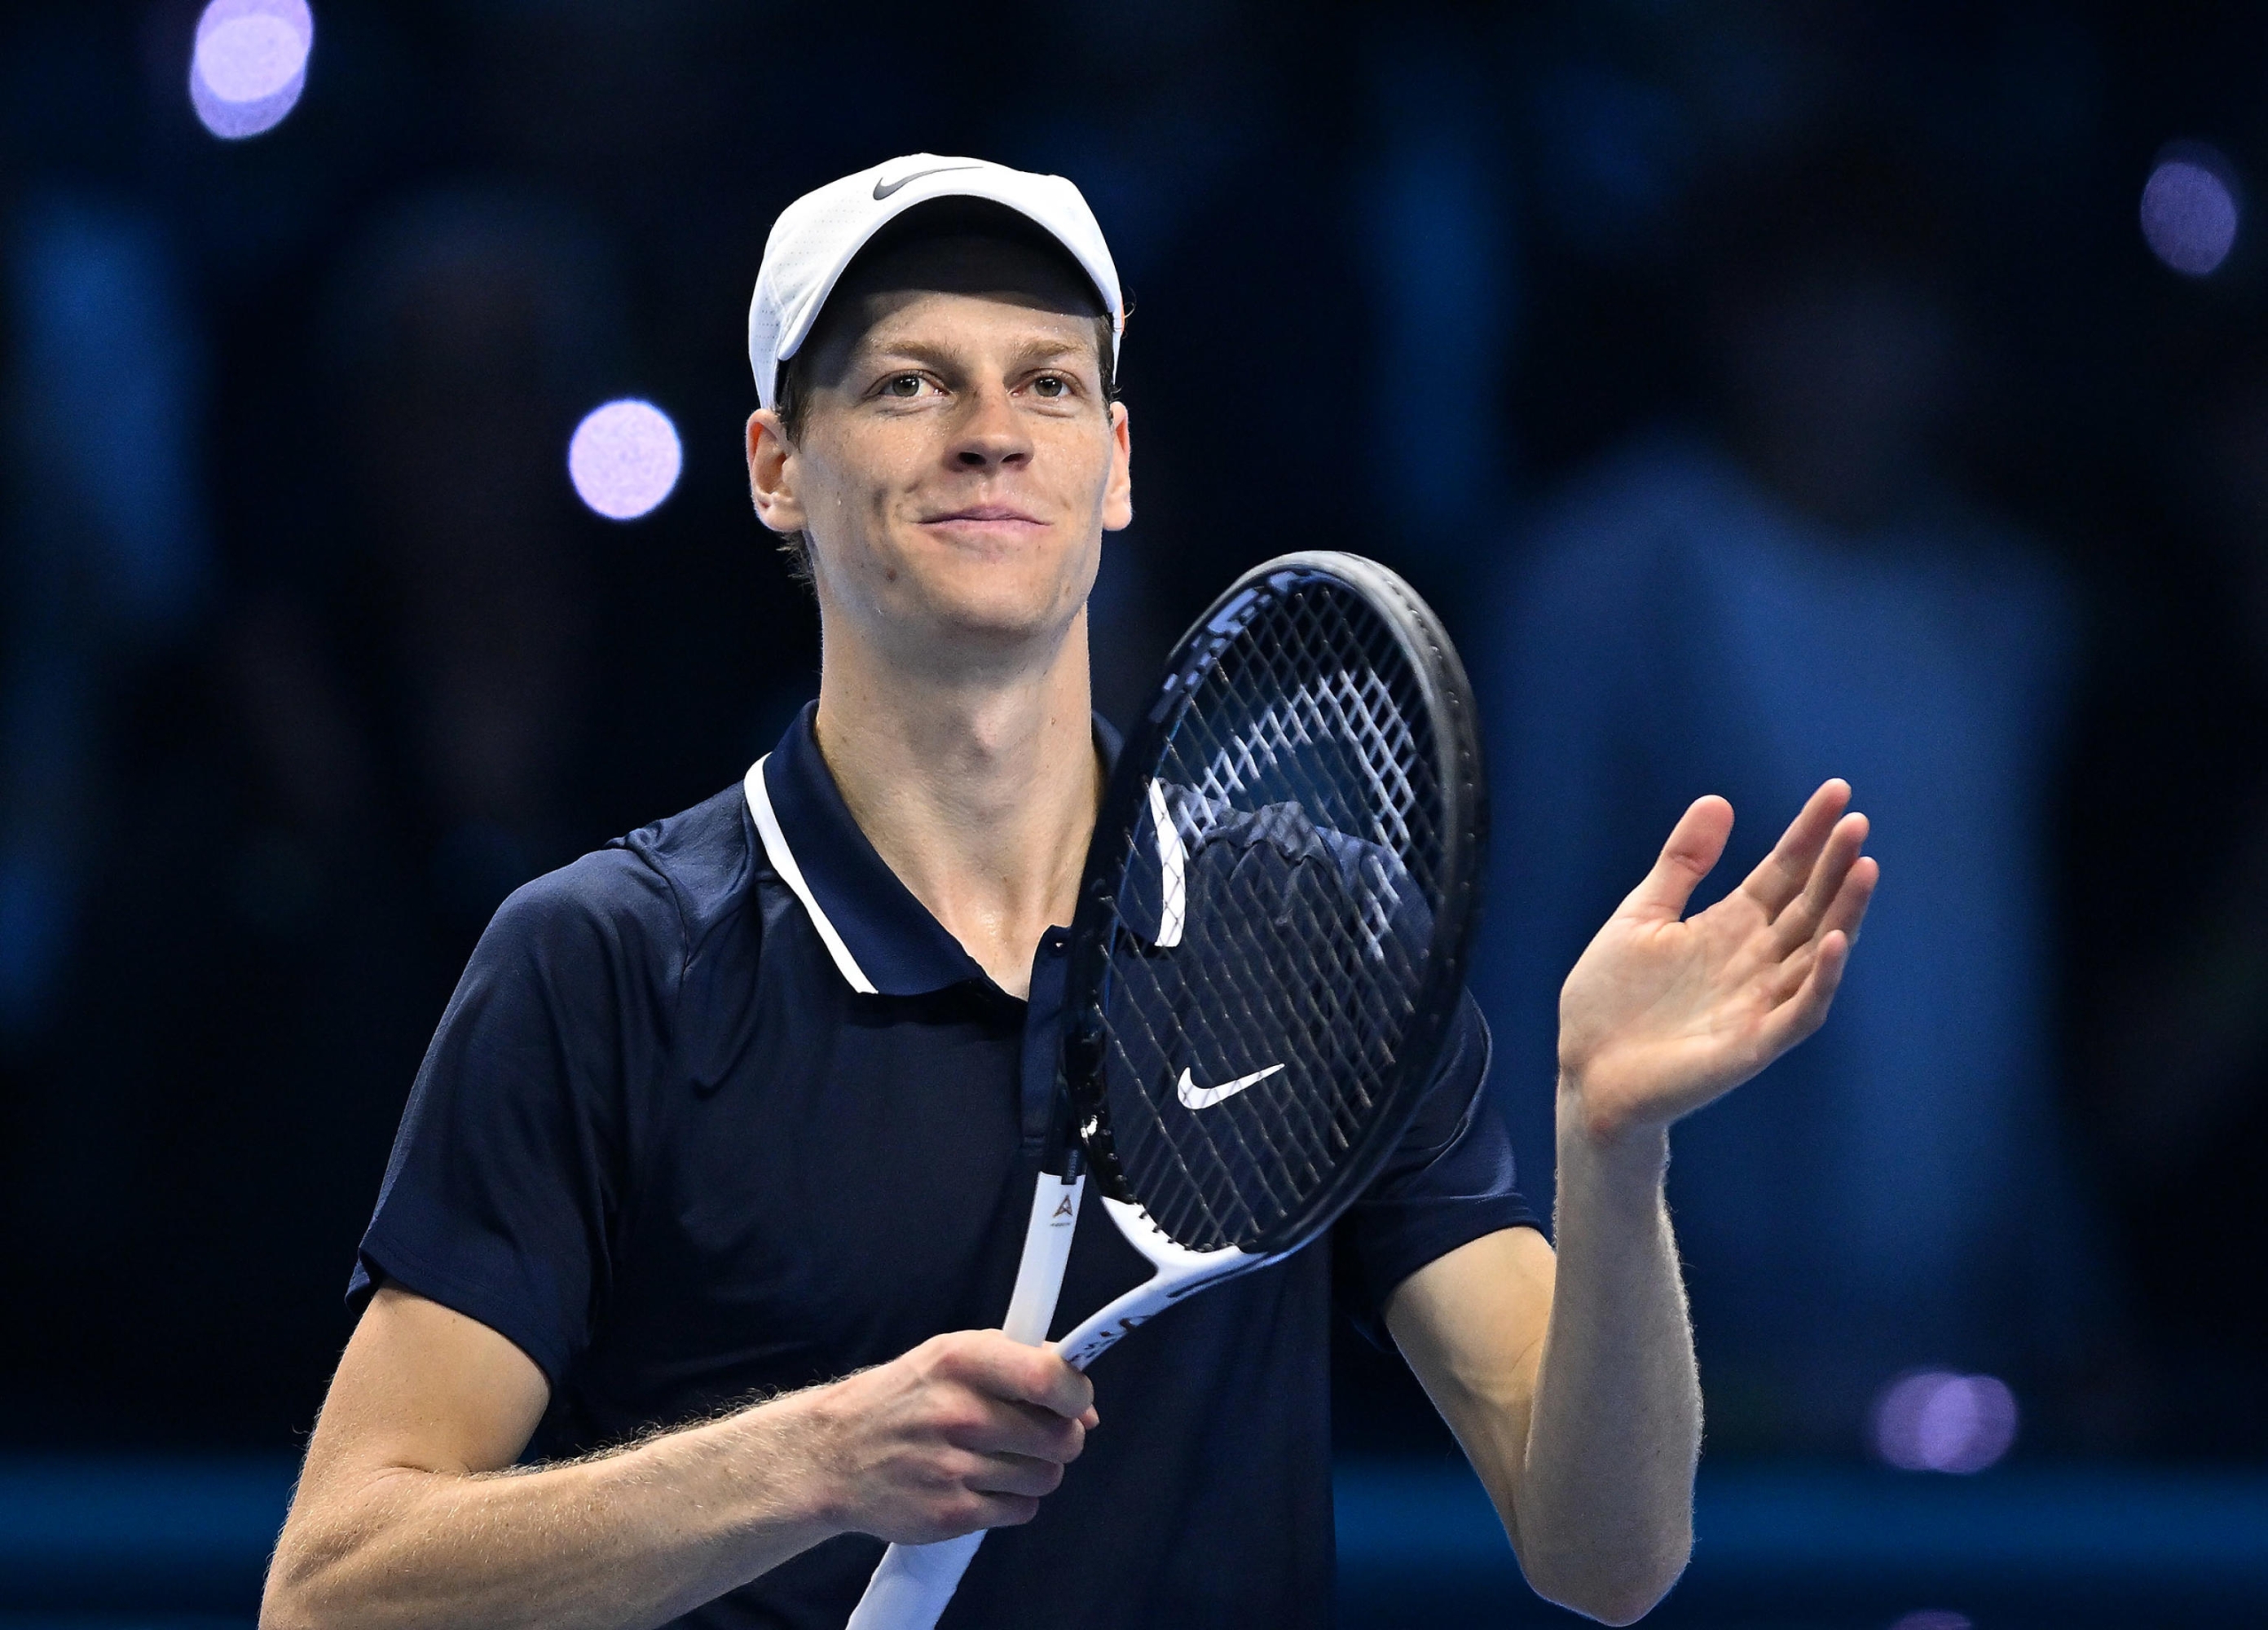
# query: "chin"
{"type": "Point", "coordinates": [1009, 601]}
{"type": "Point", "coordinates": [1007, 614]}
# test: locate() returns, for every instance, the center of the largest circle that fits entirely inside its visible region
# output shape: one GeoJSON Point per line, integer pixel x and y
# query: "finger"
{"type": "Point", "coordinates": [1795, 1020]}
{"type": "Point", "coordinates": [1827, 977]}
{"type": "Point", "coordinates": [1781, 875]}
{"type": "Point", "coordinates": [1040, 1376]}
{"type": "Point", "coordinates": [999, 1511]}
{"type": "Point", "coordinates": [1842, 918]}
{"type": "Point", "coordinates": [1695, 844]}
{"type": "Point", "coordinates": [991, 1363]}
{"type": "Point", "coordinates": [1787, 979]}
{"type": "Point", "coordinates": [1003, 1426]}
{"type": "Point", "coordinates": [1015, 1474]}
{"type": "Point", "coordinates": [1848, 912]}
{"type": "Point", "coordinates": [1800, 920]}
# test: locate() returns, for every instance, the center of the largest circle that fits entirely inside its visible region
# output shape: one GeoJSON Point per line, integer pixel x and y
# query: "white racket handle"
{"type": "Point", "coordinates": [911, 1588]}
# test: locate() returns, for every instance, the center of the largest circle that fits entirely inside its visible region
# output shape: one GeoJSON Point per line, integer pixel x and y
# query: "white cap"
{"type": "Point", "coordinates": [817, 235]}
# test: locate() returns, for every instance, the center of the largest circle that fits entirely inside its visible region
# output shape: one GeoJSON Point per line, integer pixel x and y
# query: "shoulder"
{"type": "Point", "coordinates": [707, 857]}
{"type": "Point", "coordinates": [648, 897]}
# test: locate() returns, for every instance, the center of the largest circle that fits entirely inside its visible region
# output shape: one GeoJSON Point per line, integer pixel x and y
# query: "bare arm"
{"type": "Point", "coordinates": [1571, 1384]}
{"type": "Point", "coordinates": [406, 1514]}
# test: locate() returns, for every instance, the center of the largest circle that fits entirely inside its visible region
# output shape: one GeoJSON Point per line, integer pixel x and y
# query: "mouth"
{"type": "Point", "coordinates": [999, 521]}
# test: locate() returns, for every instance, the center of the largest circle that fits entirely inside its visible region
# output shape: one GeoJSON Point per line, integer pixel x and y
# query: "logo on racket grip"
{"type": "Point", "coordinates": [1195, 1098]}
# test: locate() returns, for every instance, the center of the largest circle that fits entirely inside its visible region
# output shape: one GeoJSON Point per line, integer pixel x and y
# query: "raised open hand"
{"type": "Point", "coordinates": [1664, 1013]}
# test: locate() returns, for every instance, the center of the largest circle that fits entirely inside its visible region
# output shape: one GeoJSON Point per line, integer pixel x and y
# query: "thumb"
{"type": "Point", "coordinates": [1695, 844]}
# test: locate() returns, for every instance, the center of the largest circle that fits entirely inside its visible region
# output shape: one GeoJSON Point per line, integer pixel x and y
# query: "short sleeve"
{"type": "Point", "coordinates": [503, 1184]}
{"type": "Point", "coordinates": [1450, 1180]}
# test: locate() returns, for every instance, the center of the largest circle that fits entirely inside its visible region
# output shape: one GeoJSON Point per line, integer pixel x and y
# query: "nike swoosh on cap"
{"type": "Point", "coordinates": [1195, 1098]}
{"type": "Point", "coordinates": [883, 190]}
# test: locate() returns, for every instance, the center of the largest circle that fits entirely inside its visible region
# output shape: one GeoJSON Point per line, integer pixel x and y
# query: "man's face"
{"type": "Point", "coordinates": [957, 463]}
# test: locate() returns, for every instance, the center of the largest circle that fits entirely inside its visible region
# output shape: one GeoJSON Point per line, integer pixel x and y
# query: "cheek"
{"type": "Point", "coordinates": [1085, 461]}
{"type": "Point", "coordinates": [854, 488]}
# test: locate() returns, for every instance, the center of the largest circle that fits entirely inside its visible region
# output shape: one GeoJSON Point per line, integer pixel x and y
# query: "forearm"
{"type": "Point", "coordinates": [615, 1543]}
{"type": "Point", "coordinates": [1604, 1484]}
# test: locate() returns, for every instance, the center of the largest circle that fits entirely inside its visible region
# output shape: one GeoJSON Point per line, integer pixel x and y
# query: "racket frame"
{"type": "Point", "coordinates": [1447, 694]}
{"type": "Point", "coordinates": [913, 1584]}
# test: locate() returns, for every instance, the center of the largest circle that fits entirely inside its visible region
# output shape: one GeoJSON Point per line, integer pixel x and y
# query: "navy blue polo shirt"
{"type": "Point", "coordinates": [721, 1109]}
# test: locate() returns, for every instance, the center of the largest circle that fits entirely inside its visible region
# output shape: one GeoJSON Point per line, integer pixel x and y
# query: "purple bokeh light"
{"type": "Point", "coordinates": [624, 458]}
{"type": "Point", "coordinates": [250, 64]}
{"type": "Point", "coordinates": [1935, 1420]}
{"type": "Point", "coordinates": [1933, 1619]}
{"type": "Point", "coordinates": [2189, 211]}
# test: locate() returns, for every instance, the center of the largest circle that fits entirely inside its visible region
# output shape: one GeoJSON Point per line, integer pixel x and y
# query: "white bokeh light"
{"type": "Point", "coordinates": [2189, 210]}
{"type": "Point", "coordinates": [1935, 1420]}
{"type": "Point", "coordinates": [624, 458]}
{"type": "Point", "coordinates": [250, 64]}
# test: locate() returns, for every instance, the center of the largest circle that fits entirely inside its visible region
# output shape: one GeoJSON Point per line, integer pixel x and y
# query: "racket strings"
{"type": "Point", "coordinates": [1308, 829]}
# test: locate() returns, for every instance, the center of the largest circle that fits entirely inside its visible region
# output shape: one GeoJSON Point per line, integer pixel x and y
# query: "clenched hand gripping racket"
{"type": "Point", "coordinates": [1268, 948]}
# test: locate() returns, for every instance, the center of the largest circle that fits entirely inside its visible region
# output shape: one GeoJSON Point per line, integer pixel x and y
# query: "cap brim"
{"type": "Point", "coordinates": [986, 182]}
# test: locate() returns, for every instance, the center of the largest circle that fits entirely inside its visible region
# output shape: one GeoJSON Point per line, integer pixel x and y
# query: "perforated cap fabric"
{"type": "Point", "coordinates": [816, 237]}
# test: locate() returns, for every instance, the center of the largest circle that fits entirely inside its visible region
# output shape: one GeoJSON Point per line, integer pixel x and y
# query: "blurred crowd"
{"type": "Point", "coordinates": [1765, 392]}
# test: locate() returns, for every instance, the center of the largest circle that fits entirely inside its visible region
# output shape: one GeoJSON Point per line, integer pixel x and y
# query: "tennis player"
{"type": "Point", "coordinates": [728, 1120]}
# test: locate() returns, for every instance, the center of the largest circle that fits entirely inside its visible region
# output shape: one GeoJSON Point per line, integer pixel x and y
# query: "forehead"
{"type": "Point", "coordinates": [936, 320]}
{"type": "Point", "coordinates": [959, 287]}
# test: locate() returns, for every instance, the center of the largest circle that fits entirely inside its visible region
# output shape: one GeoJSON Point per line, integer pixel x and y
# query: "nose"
{"type": "Point", "coordinates": [990, 434]}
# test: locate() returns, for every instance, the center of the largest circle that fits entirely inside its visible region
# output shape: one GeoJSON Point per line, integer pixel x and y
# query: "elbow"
{"type": "Point", "coordinates": [299, 1592]}
{"type": "Point", "coordinates": [280, 1609]}
{"type": "Point", "coordinates": [284, 1600]}
{"type": "Point", "coordinates": [1613, 1590]}
{"type": "Point", "coordinates": [1619, 1607]}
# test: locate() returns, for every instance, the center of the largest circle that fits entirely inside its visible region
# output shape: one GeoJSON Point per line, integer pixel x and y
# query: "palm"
{"type": "Point", "coordinates": [1664, 1013]}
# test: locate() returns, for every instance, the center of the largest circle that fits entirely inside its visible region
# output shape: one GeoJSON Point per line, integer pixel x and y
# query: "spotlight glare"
{"type": "Point", "coordinates": [1933, 1421]}
{"type": "Point", "coordinates": [250, 64]}
{"type": "Point", "coordinates": [2189, 211]}
{"type": "Point", "coordinates": [624, 458]}
{"type": "Point", "coordinates": [247, 58]}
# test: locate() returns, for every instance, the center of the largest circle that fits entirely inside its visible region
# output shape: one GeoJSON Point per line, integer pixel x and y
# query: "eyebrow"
{"type": "Point", "coordinates": [930, 356]}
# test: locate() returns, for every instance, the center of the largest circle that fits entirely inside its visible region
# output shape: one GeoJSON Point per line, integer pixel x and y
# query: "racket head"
{"type": "Point", "coordinates": [1272, 929]}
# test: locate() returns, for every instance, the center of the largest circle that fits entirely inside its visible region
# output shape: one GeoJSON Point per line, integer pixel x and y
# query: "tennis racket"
{"type": "Point", "coordinates": [1268, 949]}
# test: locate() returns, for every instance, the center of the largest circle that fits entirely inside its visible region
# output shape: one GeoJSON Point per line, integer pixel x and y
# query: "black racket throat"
{"type": "Point", "coordinates": [1258, 996]}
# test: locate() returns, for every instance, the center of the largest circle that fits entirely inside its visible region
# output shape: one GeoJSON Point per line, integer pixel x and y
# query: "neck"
{"type": "Point", "coordinates": [979, 791]}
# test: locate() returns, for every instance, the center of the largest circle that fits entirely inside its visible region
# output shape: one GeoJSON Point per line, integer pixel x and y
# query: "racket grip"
{"type": "Point", "coordinates": [909, 1589]}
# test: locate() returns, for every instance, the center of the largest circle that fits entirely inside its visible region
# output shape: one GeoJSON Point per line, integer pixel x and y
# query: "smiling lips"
{"type": "Point", "coordinates": [994, 518]}
{"type": "Point", "coordinates": [985, 513]}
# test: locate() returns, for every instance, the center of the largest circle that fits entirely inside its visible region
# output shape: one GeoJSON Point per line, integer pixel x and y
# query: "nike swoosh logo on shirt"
{"type": "Point", "coordinates": [882, 191]}
{"type": "Point", "coordinates": [1195, 1098]}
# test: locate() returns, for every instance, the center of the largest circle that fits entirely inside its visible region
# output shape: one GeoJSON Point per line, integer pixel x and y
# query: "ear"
{"type": "Point", "coordinates": [1118, 496]}
{"type": "Point", "coordinates": [771, 473]}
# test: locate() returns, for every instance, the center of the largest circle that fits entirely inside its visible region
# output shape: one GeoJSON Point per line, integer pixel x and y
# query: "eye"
{"type": "Point", "coordinates": [903, 385]}
{"type": "Point", "coordinates": [1051, 386]}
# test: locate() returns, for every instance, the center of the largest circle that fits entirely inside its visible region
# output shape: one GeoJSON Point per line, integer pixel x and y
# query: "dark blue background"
{"type": "Point", "coordinates": [308, 655]}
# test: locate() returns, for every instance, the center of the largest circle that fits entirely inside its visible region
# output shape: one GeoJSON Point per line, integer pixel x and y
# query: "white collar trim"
{"type": "Point", "coordinates": [783, 858]}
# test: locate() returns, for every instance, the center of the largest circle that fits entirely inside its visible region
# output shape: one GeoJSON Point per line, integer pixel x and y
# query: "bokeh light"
{"type": "Point", "coordinates": [250, 64]}
{"type": "Point", "coordinates": [2189, 211]}
{"type": "Point", "coordinates": [1933, 1619]}
{"type": "Point", "coordinates": [624, 458]}
{"type": "Point", "coordinates": [1935, 1420]}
